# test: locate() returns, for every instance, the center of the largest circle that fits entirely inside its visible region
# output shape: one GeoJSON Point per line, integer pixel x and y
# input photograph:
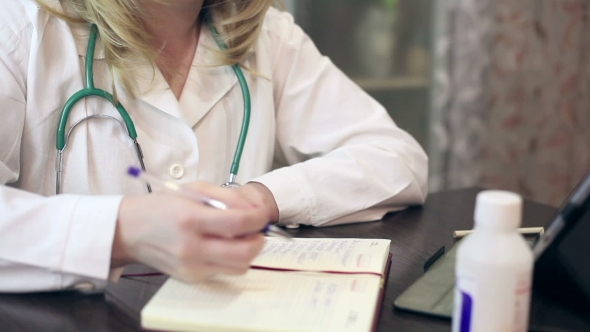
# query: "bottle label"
{"type": "Point", "coordinates": [463, 304]}
{"type": "Point", "coordinates": [522, 298]}
{"type": "Point", "coordinates": [488, 302]}
{"type": "Point", "coordinates": [466, 312]}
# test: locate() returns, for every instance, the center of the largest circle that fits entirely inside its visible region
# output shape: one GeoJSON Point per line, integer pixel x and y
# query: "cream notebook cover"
{"type": "Point", "coordinates": [311, 285]}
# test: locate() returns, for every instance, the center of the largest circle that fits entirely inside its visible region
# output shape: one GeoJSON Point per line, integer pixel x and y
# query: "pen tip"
{"type": "Point", "coordinates": [133, 171]}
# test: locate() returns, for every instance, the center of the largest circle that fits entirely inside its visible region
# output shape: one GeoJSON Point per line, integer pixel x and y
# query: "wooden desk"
{"type": "Point", "coordinates": [416, 234]}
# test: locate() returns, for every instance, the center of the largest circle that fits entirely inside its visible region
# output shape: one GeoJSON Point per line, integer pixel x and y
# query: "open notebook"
{"type": "Point", "coordinates": [300, 285]}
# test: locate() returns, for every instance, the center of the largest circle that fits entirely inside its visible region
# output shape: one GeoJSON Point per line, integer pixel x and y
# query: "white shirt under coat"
{"type": "Point", "coordinates": [328, 152]}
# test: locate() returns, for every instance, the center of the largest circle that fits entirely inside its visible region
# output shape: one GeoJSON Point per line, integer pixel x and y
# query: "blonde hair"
{"type": "Point", "coordinates": [126, 42]}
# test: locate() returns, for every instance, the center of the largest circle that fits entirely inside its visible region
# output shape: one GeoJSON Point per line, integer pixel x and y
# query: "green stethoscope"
{"type": "Point", "coordinates": [89, 90]}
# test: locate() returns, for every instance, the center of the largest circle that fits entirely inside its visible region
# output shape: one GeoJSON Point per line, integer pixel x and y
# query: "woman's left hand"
{"type": "Point", "coordinates": [261, 196]}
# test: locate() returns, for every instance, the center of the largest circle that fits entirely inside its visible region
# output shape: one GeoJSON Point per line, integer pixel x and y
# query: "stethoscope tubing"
{"type": "Point", "coordinates": [247, 111]}
{"type": "Point", "coordinates": [90, 90]}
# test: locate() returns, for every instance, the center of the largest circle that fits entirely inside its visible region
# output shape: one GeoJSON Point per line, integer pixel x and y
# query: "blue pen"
{"type": "Point", "coordinates": [136, 172]}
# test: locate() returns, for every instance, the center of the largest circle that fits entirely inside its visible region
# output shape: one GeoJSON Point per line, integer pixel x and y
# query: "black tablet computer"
{"type": "Point", "coordinates": [562, 263]}
{"type": "Point", "coordinates": [562, 253]}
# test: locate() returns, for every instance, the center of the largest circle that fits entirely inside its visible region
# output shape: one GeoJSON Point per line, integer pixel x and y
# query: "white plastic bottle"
{"type": "Point", "coordinates": [494, 267]}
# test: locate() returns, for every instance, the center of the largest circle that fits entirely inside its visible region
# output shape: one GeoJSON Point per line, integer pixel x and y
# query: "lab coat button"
{"type": "Point", "coordinates": [84, 286]}
{"type": "Point", "coordinates": [176, 171]}
{"type": "Point", "coordinates": [292, 226]}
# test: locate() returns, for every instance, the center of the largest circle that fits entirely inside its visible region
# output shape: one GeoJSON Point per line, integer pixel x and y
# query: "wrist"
{"type": "Point", "coordinates": [120, 255]}
{"type": "Point", "coordinates": [266, 198]}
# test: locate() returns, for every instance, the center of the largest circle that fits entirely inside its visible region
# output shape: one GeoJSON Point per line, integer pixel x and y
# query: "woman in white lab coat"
{"type": "Point", "coordinates": [319, 150]}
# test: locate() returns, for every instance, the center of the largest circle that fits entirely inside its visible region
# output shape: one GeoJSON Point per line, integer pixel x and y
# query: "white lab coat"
{"type": "Point", "coordinates": [327, 151]}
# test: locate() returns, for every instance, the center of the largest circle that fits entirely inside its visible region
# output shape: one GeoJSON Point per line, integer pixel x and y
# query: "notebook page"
{"type": "Point", "coordinates": [266, 301]}
{"type": "Point", "coordinates": [325, 254]}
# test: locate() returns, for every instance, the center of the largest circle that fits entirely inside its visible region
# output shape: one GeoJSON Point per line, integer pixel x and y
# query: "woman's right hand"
{"type": "Point", "coordinates": [186, 239]}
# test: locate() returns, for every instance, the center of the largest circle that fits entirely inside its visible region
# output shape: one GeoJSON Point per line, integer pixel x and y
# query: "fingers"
{"type": "Point", "coordinates": [232, 254]}
{"type": "Point", "coordinates": [189, 240]}
{"type": "Point", "coordinates": [211, 256]}
{"type": "Point", "coordinates": [207, 271]}
{"type": "Point", "coordinates": [230, 223]}
{"type": "Point", "coordinates": [232, 198]}
{"type": "Point", "coordinates": [220, 269]}
{"type": "Point", "coordinates": [242, 217]}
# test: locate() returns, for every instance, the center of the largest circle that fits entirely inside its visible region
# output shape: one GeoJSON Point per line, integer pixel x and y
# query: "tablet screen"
{"type": "Point", "coordinates": [573, 251]}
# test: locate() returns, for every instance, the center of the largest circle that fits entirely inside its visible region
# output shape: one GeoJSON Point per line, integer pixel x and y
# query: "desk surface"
{"type": "Point", "coordinates": [416, 234]}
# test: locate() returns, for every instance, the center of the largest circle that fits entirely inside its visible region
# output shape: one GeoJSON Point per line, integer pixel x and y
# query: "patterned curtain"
{"type": "Point", "coordinates": [539, 137]}
{"type": "Point", "coordinates": [510, 98]}
{"type": "Point", "coordinates": [459, 102]}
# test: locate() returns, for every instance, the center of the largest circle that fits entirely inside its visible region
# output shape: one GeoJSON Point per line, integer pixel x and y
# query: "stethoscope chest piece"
{"type": "Point", "coordinates": [231, 185]}
{"type": "Point", "coordinates": [231, 181]}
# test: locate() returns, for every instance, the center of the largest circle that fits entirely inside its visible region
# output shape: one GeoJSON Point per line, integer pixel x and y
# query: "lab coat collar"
{"type": "Point", "coordinates": [206, 84]}
{"type": "Point", "coordinates": [80, 32]}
